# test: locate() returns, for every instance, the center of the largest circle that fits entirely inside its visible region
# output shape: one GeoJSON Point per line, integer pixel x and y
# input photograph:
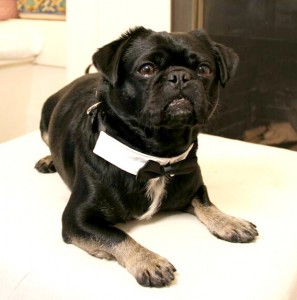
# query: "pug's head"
{"type": "Point", "coordinates": [160, 79]}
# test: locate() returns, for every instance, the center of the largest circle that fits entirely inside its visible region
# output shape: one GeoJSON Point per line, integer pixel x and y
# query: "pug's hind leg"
{"type": "Point", "coordinates": [221, 225]}
{"type": "Point", "coordinates": [45, 165]}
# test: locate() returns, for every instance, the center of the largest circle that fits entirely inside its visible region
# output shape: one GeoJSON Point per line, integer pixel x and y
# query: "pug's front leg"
{"type": "Point", "coordinates": [148, 268]}
{"type": "Point", "coordinates": [221, 225]}
{"type": "Point", "coordinates": [105, 241]}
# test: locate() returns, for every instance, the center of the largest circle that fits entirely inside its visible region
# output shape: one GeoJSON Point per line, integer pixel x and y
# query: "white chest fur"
{"type": "Point", "coordinates": [155, 191]}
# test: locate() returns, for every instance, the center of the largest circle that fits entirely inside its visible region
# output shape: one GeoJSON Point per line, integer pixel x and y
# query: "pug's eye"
{"type": "Point", "coordinates": [204, 70]}
{"type": "Point", "coordinates": [147, 70]}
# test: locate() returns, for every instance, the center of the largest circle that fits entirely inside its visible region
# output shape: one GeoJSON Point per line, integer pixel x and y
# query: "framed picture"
{"type": "Point", "coordinates": [42, 9]}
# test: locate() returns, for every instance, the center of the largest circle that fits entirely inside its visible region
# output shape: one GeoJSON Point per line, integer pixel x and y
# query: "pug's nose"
{"type": "Point", "coordinates": [178, 78]}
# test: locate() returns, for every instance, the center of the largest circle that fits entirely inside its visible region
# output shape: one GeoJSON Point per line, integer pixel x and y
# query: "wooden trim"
{"type": "Point", "coordinates": [195, 10]}
{"type": "Point", "coordinates": [200, 14]}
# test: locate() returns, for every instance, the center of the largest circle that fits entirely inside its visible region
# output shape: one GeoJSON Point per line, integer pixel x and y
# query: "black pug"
{"type": "Point", "coordinates": [124, 140]}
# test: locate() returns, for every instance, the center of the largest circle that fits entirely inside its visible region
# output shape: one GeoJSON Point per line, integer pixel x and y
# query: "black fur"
{"type": "Point", "coordinates": [138, 111]}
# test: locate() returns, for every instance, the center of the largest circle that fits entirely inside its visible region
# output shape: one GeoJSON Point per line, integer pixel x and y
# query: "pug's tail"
{"type": "Point", "coordinates": [91, 69]}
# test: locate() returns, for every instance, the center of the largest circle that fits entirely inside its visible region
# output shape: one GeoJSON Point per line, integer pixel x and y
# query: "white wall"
{"type": "Point", "coordinates": [26, 84]}
{"type": "Point", "coordinates": [93, 23]}
{"type": "Point", "coordinates": [15, 83]}
{"type": "Point", "coordinates": [54, 42]}
{"type": "Point", "coordinates": [46, 81]}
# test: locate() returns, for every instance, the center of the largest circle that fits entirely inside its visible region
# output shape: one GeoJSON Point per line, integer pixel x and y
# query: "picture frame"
{"type": "Point", "coordinates": [42, 9]}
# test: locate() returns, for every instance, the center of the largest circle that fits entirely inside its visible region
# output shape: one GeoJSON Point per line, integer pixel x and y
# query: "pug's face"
{"type": "Point", "coordinates": [165, 79]}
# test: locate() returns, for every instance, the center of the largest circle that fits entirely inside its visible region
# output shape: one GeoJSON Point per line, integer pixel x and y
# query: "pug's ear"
{"type": "Point", "coordinates": [107, 58]}
{"type": "Point", "coordinates": [227, 61]}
